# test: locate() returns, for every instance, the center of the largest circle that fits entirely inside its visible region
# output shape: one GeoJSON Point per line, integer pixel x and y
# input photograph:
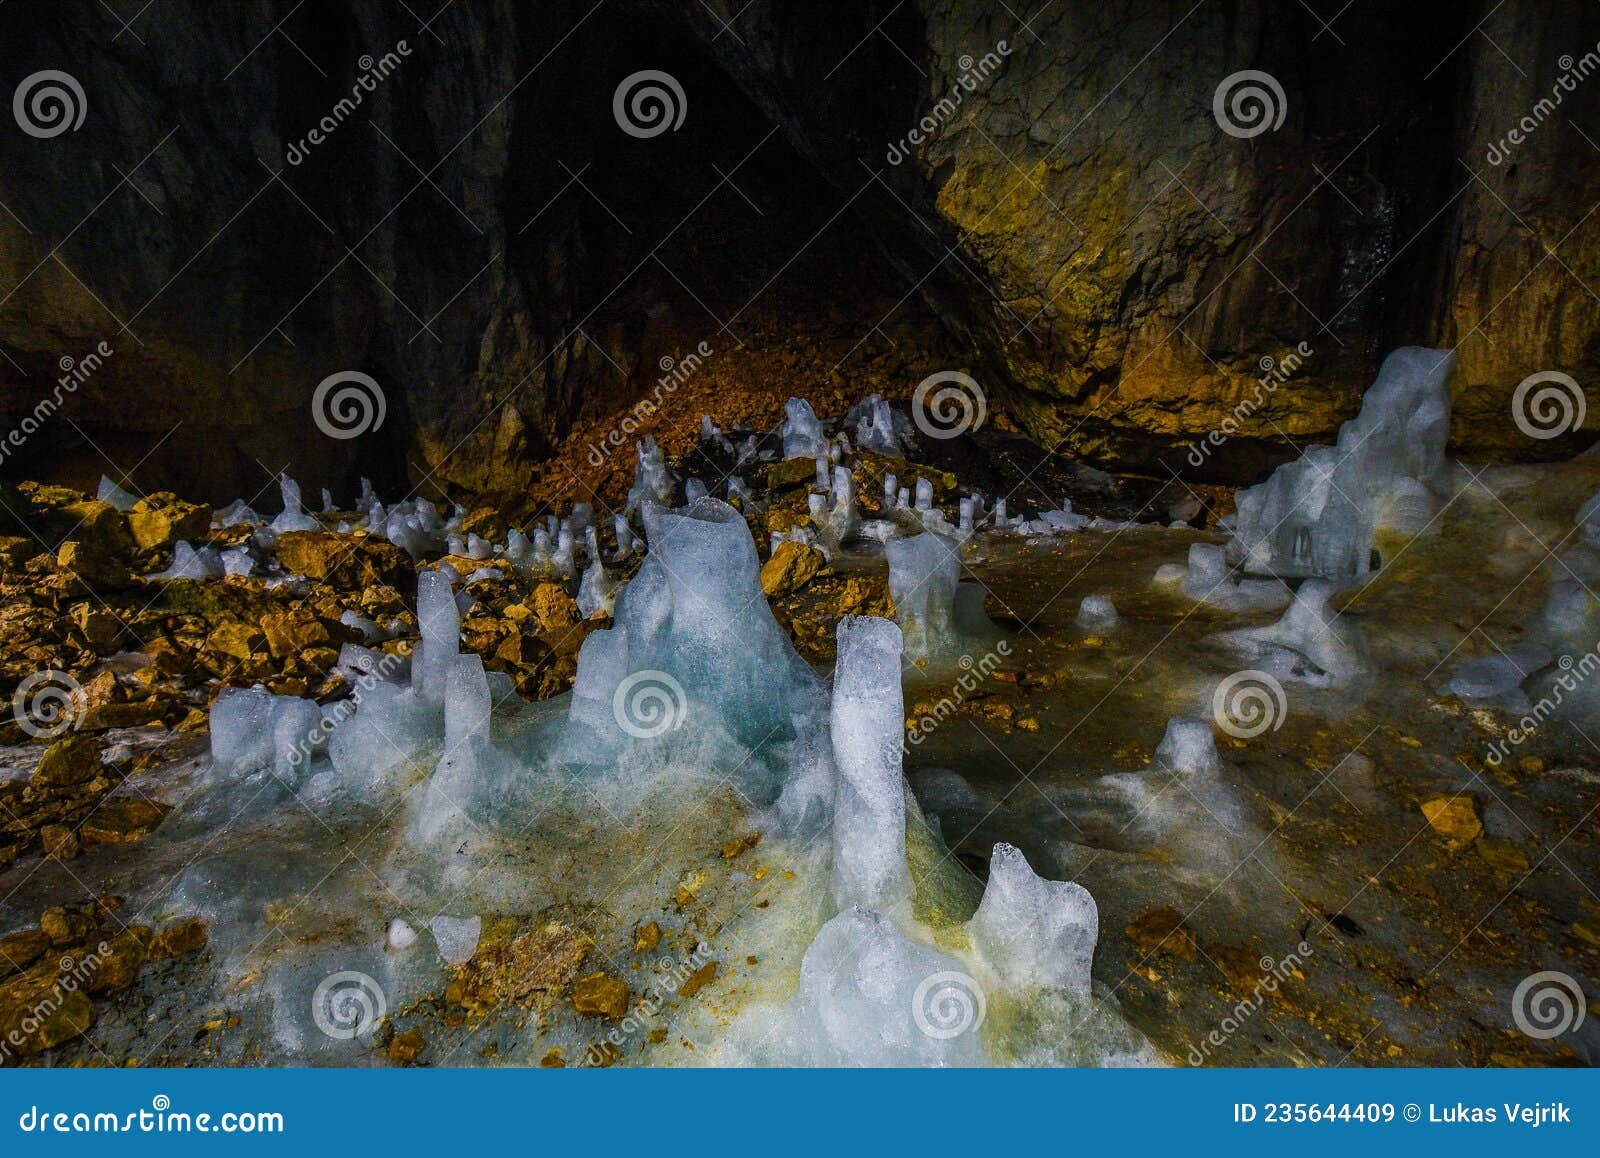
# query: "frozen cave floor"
{"type": "Point", "coordinates": [1305, 855]}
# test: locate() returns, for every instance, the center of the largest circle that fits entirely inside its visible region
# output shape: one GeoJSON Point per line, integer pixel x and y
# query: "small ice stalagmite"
{"type": "Point", "coordinates": [1035, 933]}
{"type": "Point", "coordinates": [596, 591]}
{"type": "Point", "coordinates": [1210, 580]}
{"type": "Point", "coordinates": [1096, 613]}
{"type": "Point", "coordinates": [937, 612]}
{"type": "Point", "coordinates": [110, 492]}
{"type": "Point", "coordinates": [439, 620]}
{"type": "Point", "coordinates": [1321, 515]}
{"type": "Point", "coordinates": [294, 517]}
{"type": "Point", "coordinates": [878, 428]}
{"type": "Point", "coordinates": [869, 824]}
{"type": "Point", "coordinates": [801, 431]}
{"type": "Point", "coordinates": [652, 480]}
{"type": "Point", "coordinates": [188, 563]}
{"type": "Point", "coordinates": [458, 780]}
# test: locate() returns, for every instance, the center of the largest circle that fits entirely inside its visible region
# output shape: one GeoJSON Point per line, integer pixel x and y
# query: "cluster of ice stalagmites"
{"type": "Point", "coordinates": [1322, 514]}
{"type": "Point", "coordinates": [696, 683]}
{"type": "Point", "coordinates": [879, 987]}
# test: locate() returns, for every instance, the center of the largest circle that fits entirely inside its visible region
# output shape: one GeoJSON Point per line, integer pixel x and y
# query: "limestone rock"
{"type": "Point", "coordinates": [160, 520]}
{"type": "Point", "coordinates": [600, 995]}
{"type": "Point", "coordinates": [790, 568]}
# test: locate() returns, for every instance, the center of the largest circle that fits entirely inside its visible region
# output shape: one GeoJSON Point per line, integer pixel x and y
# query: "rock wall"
{"type": "Point", "coordinates": [477, 235]}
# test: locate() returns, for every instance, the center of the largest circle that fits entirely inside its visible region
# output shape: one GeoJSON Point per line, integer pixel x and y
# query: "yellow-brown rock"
{"type": "Point", "coordinates": [161, 519]}
{"type": "Point", "coordinates": [68, 762]}
{"type": "Point", "coordinates": [600, 995]}
{"type": "Point", "coordinates": [346, 561]}
{"type": "Point", "coordinates": [790, 568]}
{"type": "Point", "coordinates": [1454, 817]}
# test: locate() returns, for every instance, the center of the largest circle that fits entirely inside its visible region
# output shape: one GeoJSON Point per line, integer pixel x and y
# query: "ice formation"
{"type": "Point", "coordinates": [801, 431]}
{"type": "Point", "coordinates": [878, 428]}
{"type": "Point", "coordinates": [938, 614]}
{"type": "Point", "coordinates": [110, 492]}
{"type": "Point", "coordinates": [693, 686]}
{"type": "Point", "coordinates": [1209, 579]}
{"type": "Point", "coordinates": [1311, 644]}
{"type": "Point", "coordinates": [652, 480]}
{"type": "Point", "coordinates": [1323, 514]}
{"type": "Point", "coordinates": [1096, 613]}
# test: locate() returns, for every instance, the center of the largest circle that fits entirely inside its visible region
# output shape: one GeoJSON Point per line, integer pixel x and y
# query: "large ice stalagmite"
{"type": "Point", "coordinates": [938, 614]}
{"type": "Point", "coordinates": [869, 822]}
{"type": "Point", "coordinates": [694, 642]}
{"type": "Point", "coordinates": [879, 987]}
{"type": "Point", "coordinates": [1320, 515]}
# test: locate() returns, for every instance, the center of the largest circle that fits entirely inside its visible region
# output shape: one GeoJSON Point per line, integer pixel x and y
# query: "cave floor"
{"type": "Point", "coordinates": [1359, 885]}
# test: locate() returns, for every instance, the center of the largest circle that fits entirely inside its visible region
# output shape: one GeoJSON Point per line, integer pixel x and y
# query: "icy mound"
{"type": "Point", "coordinates": [1311, 644]}
{"type": "Point", "coordinates": [801, 431]}
{"type": "Point", "coordinates": [1321, 515]}
{"type": "Point", "coordinates": [940, 616]}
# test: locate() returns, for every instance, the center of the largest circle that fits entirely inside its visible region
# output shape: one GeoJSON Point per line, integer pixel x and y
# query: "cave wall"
{"type": "Point", "coordinates": [481, 240]}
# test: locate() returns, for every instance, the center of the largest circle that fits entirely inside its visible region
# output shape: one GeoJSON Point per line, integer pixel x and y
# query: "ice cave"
{"type": "Point", "coordinates": [724, 535]}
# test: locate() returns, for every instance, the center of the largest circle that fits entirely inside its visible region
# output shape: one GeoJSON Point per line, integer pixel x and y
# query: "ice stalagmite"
{"type": "Point", "coordinates": [1322, 514]}
{"type": "Point", "coordinates": [1036, 934]}
{"type": "Point", "coordinates": [801, 431]}
{"type": "Point", "coordinates": [439, 619]}
{"type": "Point", "coordinates": [869, 826]}
{"type": "Point", "coordinates": [923, 573]}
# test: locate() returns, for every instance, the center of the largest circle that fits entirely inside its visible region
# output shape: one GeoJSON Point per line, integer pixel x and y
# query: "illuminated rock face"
{"type": "Point", "coordinates": [1080, 255]}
